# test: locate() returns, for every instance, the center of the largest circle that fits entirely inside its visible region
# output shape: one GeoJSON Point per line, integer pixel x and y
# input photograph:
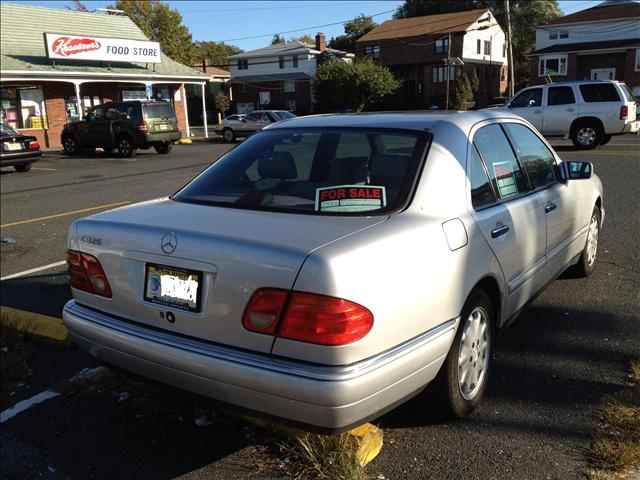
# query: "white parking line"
{"type": "Point", "coordinates": [26, 404]}
{"type": "Point", "coordinates": [42, 168]}
{"type": "Point", "coordinates": [34, 270]}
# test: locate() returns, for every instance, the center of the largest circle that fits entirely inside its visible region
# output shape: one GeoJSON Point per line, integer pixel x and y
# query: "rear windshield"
{"type": "Point", "coordinates": [284, 115]}
{"type": "Point", "coordinates": [604, 92]}
{"type": "Point", "coordinates": [319, 171]}
{"type": "Point", "coordinates": [7, 131]}
{"type": "Point", "coordinates": [158, 110]}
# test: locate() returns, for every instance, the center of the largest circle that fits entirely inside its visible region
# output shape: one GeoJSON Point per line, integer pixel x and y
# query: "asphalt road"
{"type": "Point", "coordinates": [568, 350]}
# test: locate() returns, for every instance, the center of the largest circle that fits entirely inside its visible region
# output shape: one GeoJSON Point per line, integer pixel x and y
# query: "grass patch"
{"type": "Point", "coordinates": [323, 457]}
{"type": "Point", "coordinates": [15, 350]}
{"type": "Point", "coordinates": [615, 448]}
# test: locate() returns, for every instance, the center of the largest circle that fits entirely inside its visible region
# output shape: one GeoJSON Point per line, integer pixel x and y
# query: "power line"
{"type": "Point", "coordinates": [313, 5]}
{"type": "Point", "coordinates": [300, 29]}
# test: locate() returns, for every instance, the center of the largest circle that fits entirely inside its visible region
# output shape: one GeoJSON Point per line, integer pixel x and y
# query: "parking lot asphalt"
{"type": "Point", "coordinates": [567, 351]}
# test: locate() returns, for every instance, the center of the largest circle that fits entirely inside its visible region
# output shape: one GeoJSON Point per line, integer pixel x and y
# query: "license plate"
{"type": "Point", "coordinates": [173, 287]}
{"type": "Point", "coordinates": [164, 126]}
{"type": "Point", "coordinates": [12, 146]}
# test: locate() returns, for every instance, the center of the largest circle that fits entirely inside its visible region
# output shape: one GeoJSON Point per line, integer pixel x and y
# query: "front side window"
{"type": "Point", "coordinates": [481, 191]}
{"type": "Point", "coordinates": [502, 164]}
{"type": "Point", "coordinates": [528, 98]}
{"type": "Point", "coordinates": [96, 114]}
{"type": "Point", "coordinates": [553, 65]}
{"type": "Point", "coordinates": [537, 159]}
{"type": "Point", "coordinates": [319, 171]}
{"type": "Point", "coordinates": [602, 92]}
{"type": "Point", "coordinates": [560, 96]}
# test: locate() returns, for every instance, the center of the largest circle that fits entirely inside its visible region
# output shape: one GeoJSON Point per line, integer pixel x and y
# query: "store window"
{"type": "Point", "coordinates": [23, 107]}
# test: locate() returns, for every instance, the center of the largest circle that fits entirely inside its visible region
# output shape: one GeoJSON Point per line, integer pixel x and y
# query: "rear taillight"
{"type": "Point", "coordinates": [142, 126]}
{"type": "Point", "coordinates": [34, 145]}
{"type": "Point", "coordinates": [85, 273]}
{"type": "Point", "coordinates": [307, 317]}
{"type": "Point", "coordinates": [624, 112]}
{"type": "Point", "coordinates": [264, 309]}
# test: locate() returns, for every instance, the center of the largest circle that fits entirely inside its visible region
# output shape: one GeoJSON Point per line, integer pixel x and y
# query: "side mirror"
{"type": "Point", "coordinates": [576, 170]}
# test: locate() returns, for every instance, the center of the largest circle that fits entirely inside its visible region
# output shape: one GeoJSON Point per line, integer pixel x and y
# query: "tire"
{"type": "Point", "coordinates": [228, 135]}
{"type": "Point", "coordinates": [455, 393]}
{"type": "Point", "coordinates": [163, 148]}
{"type": "Point", "coordinates": [25, 167]}
{"type": "Point", "coordinates": [125, 147]}
{"type": "Point", "coordinates": [70, 145]}
{"type": "Point", "coordinates": [586, 135]}
{"type": "Point", "coordinates": [605, 139]}
{"type": "Point", "coordinates": [587, 262]}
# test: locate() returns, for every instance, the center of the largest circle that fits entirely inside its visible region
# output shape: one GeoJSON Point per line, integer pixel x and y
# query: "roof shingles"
{"type": "Point", "coordinates": [22, 47]}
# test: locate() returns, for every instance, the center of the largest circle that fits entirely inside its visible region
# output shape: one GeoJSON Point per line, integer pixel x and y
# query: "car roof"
{"type": "Point", "coordinates": [414, 120]}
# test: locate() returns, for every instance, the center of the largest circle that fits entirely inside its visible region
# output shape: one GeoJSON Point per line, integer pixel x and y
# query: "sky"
{"type": "Point", "coordinates": [230, 21]}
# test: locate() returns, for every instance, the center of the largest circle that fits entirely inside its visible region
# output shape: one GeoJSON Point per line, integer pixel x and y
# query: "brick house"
{"type": "Point", "coordinates": [602, 42]}
{"type": "Point", "coordinates": [415, 49]}
{"type": "Point", "coordinates": [279, 76]}
{"type": "Point", "coordinates": [39, 95]}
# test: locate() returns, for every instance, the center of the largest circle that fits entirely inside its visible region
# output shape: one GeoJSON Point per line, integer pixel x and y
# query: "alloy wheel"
{"type": "Point", "coordinates": [592, 241]}
{"type": "Point", "coordinates": [586, 136]}
{"type": "Point", "coordinates": [473, 356]}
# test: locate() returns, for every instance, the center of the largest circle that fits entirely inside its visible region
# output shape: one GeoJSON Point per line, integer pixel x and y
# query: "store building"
{"type": "Point", "coordinates": [56, 64]}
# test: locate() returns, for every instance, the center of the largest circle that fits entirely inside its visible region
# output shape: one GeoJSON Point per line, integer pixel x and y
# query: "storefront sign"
{"type": "Point", "coordinates": [74, 47]}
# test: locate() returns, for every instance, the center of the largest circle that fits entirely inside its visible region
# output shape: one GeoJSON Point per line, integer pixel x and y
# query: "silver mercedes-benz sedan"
{"type": "Point", "coordinates": [330, 267]}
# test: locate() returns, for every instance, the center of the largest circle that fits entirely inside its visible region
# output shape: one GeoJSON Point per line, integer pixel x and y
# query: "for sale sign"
{"type": "Point", "coordinates": [79, 47]}
{"type": "Point", "coordinates": [350, 198]}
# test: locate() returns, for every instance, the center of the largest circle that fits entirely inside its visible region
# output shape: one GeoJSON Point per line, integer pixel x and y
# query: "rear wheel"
{"type": "Point", "coordinates": [125, 147]}
{"type": "Point", "coordinates": [228, 135]}
{"type": "Point", "coordinates": [70, 145]}
{"type": "Point", "coordinates": [586, 135]}
{"type": "Point", "coordinates": [25, 167]}
{"type": "Point", "coordinates": [163, 148]}
{"type": "Point", "coordinates": [460, 385]}
{"type": "Point", "coordinates": [587, 262]}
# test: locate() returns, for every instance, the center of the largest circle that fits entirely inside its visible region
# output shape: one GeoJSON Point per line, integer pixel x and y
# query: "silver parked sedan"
{"type": "Point", "coordinates": [330, 267]}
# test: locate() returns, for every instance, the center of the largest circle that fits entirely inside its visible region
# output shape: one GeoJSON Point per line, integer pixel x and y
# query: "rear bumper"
{"type": "Point", "coordinates": [329, 399]}
{"type": "Point", "coordinates": [632, 127]}
{"type": "Point", "coordinates": [18, 158]}
{"type": "Point", "coordinates": [151, 138]}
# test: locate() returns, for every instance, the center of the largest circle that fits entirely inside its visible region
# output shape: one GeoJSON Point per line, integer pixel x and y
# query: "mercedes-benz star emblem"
{"type": "Point", "coordinates": [169, 243]}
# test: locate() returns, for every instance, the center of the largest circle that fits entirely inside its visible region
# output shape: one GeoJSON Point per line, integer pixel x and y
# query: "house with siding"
{"type": "Point", "coordinates": [599, 43]}
{"type": "Point", "coordinates": [416, 48]}
{"type": "Point", "coordinates": [279, 76]}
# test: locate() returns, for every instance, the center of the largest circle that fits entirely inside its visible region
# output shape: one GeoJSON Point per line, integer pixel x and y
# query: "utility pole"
{"type": "Point", "coordinates": [510, 49]}
{"type": "Point", "coordinates": [448, 68]}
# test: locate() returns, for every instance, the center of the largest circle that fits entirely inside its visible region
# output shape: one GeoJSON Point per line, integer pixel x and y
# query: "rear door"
{"type": "Point", "coordinates": [510, 216]}
{"type": "Point", "coordinates": [528, 104]}
{"type": "Point", "coordinates": [560, 110]}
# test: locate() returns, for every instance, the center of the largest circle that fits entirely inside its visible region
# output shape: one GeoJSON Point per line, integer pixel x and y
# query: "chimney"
{"type": "Point", "coordinates": [321, 42]}
{"type": "Point", "coordinates": [205, 63]}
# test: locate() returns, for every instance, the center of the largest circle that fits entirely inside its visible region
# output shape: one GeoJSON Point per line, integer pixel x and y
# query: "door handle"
{"type": "Point", "coordinates": [537, 111]}
{"type": "Point", "coordinates": [571, 110]}
{"type": "Point", "coordinates": [550, 207]}
{"type": "Point", "coordinates": [499, 231]}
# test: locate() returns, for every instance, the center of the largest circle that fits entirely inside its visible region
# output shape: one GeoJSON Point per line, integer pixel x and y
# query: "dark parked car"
{"type": "Point", "coordinates": [125, 127]}
{"type": "Point", "coordinates": [18, 151]}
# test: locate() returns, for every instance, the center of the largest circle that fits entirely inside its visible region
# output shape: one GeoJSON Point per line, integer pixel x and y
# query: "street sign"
{"type": "Point", "coordinates": [149, 91]}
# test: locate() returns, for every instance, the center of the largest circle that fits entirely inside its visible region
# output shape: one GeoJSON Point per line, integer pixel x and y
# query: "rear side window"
{"type": "Point", "coordinates": [504, 171]}
{"type": "Point", "coordinates": [321, 171]}
{"type": "Point", "coordinates": [528, 98]}
{"type": "Point", "coordinates": [158, 110]}
{"type": "Point", "coordinates": [130, 109]}
{"type": "Point", "coordinates": [537, 158]}
{"type": "Point", "coordinates": [481, 191]}
{"type": "Point", "coordinates": [604, 92]}
{"type": "Point", "coordinates": [560, 96]}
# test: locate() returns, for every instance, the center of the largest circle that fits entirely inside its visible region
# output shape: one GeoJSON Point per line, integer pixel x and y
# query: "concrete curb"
{"type": "Point", "coordinates": [365, 440]}
{"type": "Point", "coordinates": [36, 324]}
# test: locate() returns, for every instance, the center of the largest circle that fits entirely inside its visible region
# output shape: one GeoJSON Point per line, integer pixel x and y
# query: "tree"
{"type": "Point", "coordinates": [222, 102]}
{"type": "Point", "coordinates": [340, 85]}
{"type": "Point", "coordinates": [306, 38]}
{"type": "Point", "coordinates": [77, 6]}
{"type": "Point", "coordinates": [525, 16]}
{"type": "Point", "coordinates": [474, 83]}
{"type": "Point", "coordinates": [216, 53]}
{"type": "Point", "coordinates": [462, 92]}
{"type": "Point", "coordinates": [353, 30]}
{"type": "Point", "coordinates": [162, 24]}
{"type": "Point", "coordinates": [277, 39]}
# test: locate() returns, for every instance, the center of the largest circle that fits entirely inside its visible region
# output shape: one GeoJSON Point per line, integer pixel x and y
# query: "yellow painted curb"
{"type": "Point", "coordinates": [36, 324]}
{"type": "Point", "coordinates": [366, 440]}
{"type": "Point", "coordinates": [184, 141]}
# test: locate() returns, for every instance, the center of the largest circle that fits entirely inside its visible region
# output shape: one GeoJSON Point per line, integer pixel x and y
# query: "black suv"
{"type": "Point", "coordinates": [124, 126]}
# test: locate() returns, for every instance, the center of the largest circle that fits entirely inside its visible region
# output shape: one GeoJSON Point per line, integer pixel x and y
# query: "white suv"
{"type": "Point", "coordinates": [589, 111]}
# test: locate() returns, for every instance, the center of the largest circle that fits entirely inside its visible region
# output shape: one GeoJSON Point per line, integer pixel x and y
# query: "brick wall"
{"type": "Point", "coordinates": [411, 50]}
{"type": "Point", "coordinates": [178, 105]}
{"type": "Point", "coordinates": [631, 77]}
{"type": "Point", "coordinates": [251, 94]}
